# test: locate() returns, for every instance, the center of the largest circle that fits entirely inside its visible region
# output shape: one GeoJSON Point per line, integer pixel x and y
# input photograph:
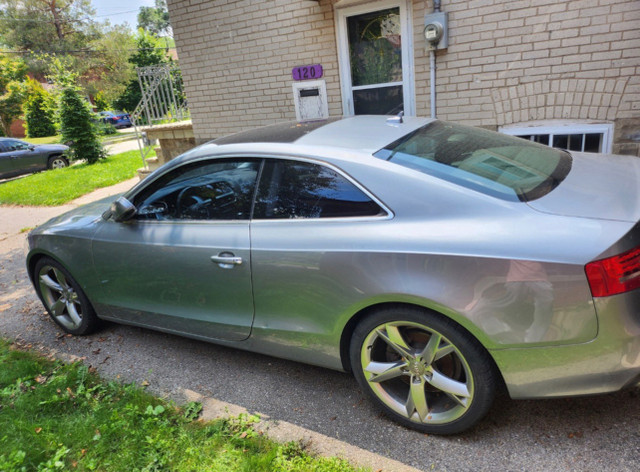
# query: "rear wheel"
{"type": "Point", "coordinates": [423, 370]}
{"type": "Point", "coordinates": [57, 162]}
{"type": "Point", "coordinates": [63, 298]}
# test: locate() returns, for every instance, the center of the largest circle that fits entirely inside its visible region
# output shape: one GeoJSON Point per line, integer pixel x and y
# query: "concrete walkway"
{"type": "Point", "coordinates": [16, 220]}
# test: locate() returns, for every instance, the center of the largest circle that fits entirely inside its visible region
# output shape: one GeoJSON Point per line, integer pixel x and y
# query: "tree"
{"type": "Point", "coordinates": [47, 26]}
{"type": "Point", "coordinates": [77, 128]}
{"type": "Point", "coordinates": [39, 114]}
{"type": "Point", "coordinates": [107, 69]}
{"type": "Point", "coordinates": [149, 53]}
{"type": "Point", "coordinates": [75, 115]}
{"type": "Point", "coordinates": [12, 91]}
{"type": "Point", "coordinates": [155, 20]}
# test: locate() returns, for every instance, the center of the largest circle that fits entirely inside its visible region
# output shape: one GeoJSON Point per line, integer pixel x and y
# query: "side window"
{"type": "Point", "coordinates": [292, 189]}
{"type": "Point", "coordinates": [17, 145]}
{"type": "Point", "coordinates": [210, 190]}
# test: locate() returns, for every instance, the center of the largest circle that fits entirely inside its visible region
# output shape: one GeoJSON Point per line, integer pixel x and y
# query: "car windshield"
{"type": "Point", "coordinates": [503, 166]}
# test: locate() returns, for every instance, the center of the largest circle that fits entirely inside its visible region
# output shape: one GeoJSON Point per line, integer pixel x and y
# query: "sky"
{"type": "Point", "coordinates": [120, 11]}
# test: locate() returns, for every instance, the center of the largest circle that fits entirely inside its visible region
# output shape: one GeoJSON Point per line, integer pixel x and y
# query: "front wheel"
{"type": "Point", "coordinates": [423, 370]}
{"type": "Point", "coordinates": [57, 162]}
{"type": "Point", "coordinates": [63, 298]}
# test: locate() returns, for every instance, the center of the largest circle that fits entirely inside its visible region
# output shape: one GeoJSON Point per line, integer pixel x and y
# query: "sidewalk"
{"type": "Point", "coordinates": [15, 221]}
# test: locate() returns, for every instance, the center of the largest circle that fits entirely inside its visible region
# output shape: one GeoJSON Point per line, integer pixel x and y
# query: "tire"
{"type": "Point", "coordinates": [423, 370]}
{"type": "Point", "coordinates": [57, 162]}
{"type": "Point", "coordinates": [63, 298]}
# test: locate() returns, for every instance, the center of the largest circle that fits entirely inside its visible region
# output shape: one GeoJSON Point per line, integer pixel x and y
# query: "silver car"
{"type": "Point", "coordinates": [436, 262]}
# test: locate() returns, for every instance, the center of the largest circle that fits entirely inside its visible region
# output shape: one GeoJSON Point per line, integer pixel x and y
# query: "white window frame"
{"type": "Point", "coordinates": [406, 33]}
{"type": "Point", "coordinates": [606, 129]}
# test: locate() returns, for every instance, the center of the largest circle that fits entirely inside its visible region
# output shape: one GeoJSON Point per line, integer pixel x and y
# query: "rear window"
{"type": "Point", "coordinates": [503, 166]}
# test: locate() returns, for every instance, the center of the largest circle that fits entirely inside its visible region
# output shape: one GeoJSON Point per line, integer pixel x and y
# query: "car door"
{"type": "Point", "coordinates": [24, 158]}
{"type": "Point", "coordinates": [6, 162]}
{"type": "Point", "coordinates": [312, 256]}
{"type": "Point", "coordinates": [183, 263]}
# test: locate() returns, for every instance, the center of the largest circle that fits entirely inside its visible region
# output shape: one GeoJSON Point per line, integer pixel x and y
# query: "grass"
{"type": "Point", "coordinates": [57, 139]}
{"type": "Point", "coordinates": [59, 186]}
{"type": "Point", "coordinates": [48, 140]}
{"type": "Point", "coordinates": [56, 416]}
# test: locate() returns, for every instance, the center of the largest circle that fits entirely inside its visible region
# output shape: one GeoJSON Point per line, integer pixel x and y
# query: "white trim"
{"type": "Point", "coordinates": [568, 127]}
{"type": "Point", "coordinates": [347, 8]}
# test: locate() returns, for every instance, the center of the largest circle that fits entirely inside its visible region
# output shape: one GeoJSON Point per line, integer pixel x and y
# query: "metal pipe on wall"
{"type": "Point", "coordinates": [432, 80]}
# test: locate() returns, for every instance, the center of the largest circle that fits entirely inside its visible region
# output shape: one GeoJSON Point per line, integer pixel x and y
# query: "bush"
{"type": "Point", "coordinates": [77, 129]}
{"type": "Point", "coordinates": [39, 116]}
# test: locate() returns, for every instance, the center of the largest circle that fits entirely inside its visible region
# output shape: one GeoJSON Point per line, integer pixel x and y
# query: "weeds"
{"type": "Point", "coordinates": [56, 416]}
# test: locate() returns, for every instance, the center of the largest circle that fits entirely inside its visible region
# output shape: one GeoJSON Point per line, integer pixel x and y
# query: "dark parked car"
{"type": "Point", "coordinates": [19, 157]}
{"type": "Point", "coordinates": [119, 119]}
{"type": "Point", "coordinates": [435, 261]}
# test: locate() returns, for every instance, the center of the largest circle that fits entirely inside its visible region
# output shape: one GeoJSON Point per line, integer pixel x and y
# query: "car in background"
{"type": "Point", "coordinates": [437, 262]}
{"type": "Point", "coordinates": [119, 119]}
{"type": "Point", "coordinates": [19, 157]}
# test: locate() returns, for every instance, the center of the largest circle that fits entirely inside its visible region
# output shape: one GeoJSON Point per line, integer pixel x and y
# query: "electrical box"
{"type": "Point", "coordinates": [436, 30]}
{"type": "Point", "coordinates": [310, 99]}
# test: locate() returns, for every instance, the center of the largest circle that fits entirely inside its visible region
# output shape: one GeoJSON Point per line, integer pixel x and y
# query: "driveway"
{"type": "Point", "coordinates": [591, 433]}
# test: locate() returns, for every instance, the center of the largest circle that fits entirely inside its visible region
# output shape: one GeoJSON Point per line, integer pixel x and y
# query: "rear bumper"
{"type": "Point", "coordinates": [608, 363]}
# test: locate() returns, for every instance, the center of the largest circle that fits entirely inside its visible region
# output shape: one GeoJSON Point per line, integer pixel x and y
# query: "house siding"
{"type": "Point", "coordinates": [507, 61]}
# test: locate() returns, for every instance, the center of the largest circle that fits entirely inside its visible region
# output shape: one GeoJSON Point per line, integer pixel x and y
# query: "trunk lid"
{"type": "Point", "coordinates": [598, 186]}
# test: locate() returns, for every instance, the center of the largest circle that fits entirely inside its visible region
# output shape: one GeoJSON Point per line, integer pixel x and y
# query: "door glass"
{"type": "Point", "coordinates": [383, 100]}
{"type": "Point", "coordinates": [292, 189]}
{"type": "Point", "coordinates": [375, 55]}
{"type": "Point", "coordinates": [211, 190]}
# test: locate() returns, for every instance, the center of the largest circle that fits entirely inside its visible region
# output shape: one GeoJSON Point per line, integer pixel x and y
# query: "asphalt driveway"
{"type": "Point", "coordinates": [590, 433]}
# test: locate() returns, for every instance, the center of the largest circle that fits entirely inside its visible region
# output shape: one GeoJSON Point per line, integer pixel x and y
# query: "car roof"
{"type": "Point", "coordinates": [362, 133]}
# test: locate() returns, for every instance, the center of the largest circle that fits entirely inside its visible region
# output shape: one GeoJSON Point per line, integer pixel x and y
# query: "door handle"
{"type": "Point", "coordinates": [226, 260]}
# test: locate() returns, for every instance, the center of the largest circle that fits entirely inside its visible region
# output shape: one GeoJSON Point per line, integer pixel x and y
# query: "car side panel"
{"type": "Point", "coordinates": [311, 277]}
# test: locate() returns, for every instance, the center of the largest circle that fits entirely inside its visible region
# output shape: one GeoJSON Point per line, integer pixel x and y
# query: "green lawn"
{"type": "Point", "coordinates": [48, 140]}
{"type": "Point", "coordinates": [58, 138]}
{"type": "Point", "coordinates": [56, 416]}
{"type": "Point", "coordinates": [56, 187]}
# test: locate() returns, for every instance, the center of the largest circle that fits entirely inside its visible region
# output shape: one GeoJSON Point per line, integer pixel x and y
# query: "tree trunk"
{"type": "Point", "coordinates": [56, 18]}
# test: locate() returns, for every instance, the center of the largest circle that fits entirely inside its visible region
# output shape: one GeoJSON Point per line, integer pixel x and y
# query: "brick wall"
{"type": "Point", "coordinates": [237, 57]}
{"type": "Point", "coordinates": [515, 61]}
{"type": "Point", "coordinates": [507, 61]}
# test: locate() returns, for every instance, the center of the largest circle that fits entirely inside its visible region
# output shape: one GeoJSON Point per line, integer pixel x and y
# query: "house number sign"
{"type": "Point", "coordinates": [307, 72]}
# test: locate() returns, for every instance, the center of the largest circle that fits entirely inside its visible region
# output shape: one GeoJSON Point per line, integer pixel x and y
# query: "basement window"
{"type": "Point", "coordinates": [572, 136]}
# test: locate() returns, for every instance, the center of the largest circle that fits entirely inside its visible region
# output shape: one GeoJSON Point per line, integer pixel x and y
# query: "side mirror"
{"type": "Point", "coordinates": [31, 147]}
{"type": "Point", "coordinates": [122, 210]}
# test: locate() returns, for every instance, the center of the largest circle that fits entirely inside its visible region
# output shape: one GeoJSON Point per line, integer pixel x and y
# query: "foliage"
{"type": "Point", "coordinates": [105, 129]}
{"type": "Point", "coordinates": [39, 112]}
{"type": "Point", "coordinates": [100, 101]}
{"type": "Point", "coordinates": [13, 73]}
{"type": "Point", "coordinates": [59, 186]}
{"type": "Point", "coordinates": [47, 25]}
{"type": "Point", "coordinates": [107, 69]}
{"type": "Point", "coordinates": [155, 20]}
{"type": "Point", "coordinates": [57, 416]}
{"type": "Point", "coordinates": [77, 127]}
{"type": "Point", "coordinates": [149, 53]}
{"type": "Point", "coordinates": [76, 117]}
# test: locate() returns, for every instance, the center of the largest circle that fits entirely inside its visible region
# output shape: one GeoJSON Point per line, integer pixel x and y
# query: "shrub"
{"type": "Point", "coordinates": [76, 126]}
{"type": "Point", "coordinates": [39, 116]}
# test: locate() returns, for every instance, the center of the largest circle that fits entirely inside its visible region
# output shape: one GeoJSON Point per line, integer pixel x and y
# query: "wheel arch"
{"type": "Point", "coordinates": [462, 322]}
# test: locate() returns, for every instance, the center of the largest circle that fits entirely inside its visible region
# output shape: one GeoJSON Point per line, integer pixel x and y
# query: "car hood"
{"type": "Point", "coordinates": [52, 147]}
{"type": "Point", "coordinates": [79, 218]}
{"type": "Point", "coordinates": [598, 186]}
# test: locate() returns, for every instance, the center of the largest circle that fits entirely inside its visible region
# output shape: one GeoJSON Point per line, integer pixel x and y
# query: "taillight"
{"type": "Point", "coordinates": [617, 274]}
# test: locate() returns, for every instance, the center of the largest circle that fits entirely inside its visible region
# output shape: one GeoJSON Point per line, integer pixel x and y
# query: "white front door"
{"type": "Point", "coordinates": [376, 58]}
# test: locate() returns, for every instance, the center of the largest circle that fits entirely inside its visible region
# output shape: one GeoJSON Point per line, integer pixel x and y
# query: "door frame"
{"type": "Point", "coordinates": [344, 66]}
